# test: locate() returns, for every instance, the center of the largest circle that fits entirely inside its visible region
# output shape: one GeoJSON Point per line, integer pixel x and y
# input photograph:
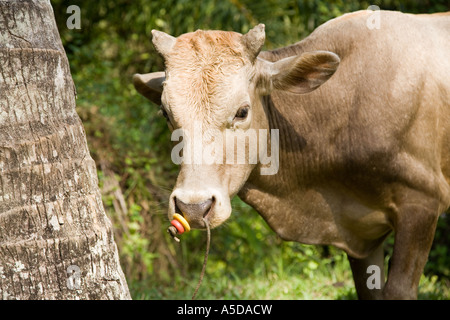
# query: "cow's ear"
{"type": "Point", "coordinates": [298, 74]}
{"type": "Point", "coordinates": [150, 85]}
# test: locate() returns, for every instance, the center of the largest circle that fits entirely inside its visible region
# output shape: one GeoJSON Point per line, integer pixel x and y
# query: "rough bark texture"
{"type": "Point", "coordinates": [56, 241]}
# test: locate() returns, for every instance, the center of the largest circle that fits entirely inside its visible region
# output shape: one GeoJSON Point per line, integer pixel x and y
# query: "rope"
{"type": "Point", "coordinates": [202, 274]}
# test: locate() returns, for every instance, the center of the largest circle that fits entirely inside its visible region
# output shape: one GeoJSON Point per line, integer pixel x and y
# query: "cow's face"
{"type": "Point", "coordinates": [210, 94]}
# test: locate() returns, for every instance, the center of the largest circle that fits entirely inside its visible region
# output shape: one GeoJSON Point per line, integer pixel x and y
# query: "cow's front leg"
{"type": "Point", "coordinates": [415, 225]}
{"type": "Point", "coordinates": [365, 269]}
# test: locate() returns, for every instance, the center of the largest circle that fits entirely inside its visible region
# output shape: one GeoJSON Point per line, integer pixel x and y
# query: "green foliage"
{"type": "Point", "coordinates": [439, 258]}
{"type": "Point", "coordinates": [131, 146]}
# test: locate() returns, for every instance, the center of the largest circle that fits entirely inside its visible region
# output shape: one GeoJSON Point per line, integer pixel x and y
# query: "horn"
{"type": "Point", "coordinates": [163, 42]}
{"type": "Point", "coordinates": [254, 40]}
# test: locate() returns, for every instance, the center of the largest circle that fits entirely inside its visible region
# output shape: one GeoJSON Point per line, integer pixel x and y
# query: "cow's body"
{"type": "Point", "coordinates": [366, 153]}
{"type": "Point", "coordinates": [352, 149]}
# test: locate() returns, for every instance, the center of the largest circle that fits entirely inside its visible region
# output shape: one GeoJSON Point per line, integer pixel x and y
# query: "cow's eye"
{"type": "Point", "coordinates": [242, 113]}
{"type": "Point", "coordinates": [164, 113]}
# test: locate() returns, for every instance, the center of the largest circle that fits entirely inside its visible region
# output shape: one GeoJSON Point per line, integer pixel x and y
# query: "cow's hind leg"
{"type": "Point", "coordinates": [371, 266]}
{"type": "Point", "coordinates": [414, 225]}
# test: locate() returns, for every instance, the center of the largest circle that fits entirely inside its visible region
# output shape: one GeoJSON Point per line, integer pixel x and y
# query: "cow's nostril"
{"type": "Point", "coordinates": [193, 211]}
{"type": "Point", "coordinates": [177, 209]}
{"type": "Point", "coordinates": [212, 201]}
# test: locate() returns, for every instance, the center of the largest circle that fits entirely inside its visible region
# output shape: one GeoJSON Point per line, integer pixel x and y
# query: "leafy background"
{"type": "Point", "coordinates": [131, 145]}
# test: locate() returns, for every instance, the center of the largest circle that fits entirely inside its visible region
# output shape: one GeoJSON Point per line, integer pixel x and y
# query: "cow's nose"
{"type": "Point", "coordinates": [194, 212]}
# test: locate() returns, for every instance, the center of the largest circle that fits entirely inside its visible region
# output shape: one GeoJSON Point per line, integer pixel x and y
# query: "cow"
{"type": "Point", "coordinates": [363, 119]}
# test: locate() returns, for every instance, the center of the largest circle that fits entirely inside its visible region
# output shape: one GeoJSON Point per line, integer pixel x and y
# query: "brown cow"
{"type": "Point", "coordinates": [364, 154]}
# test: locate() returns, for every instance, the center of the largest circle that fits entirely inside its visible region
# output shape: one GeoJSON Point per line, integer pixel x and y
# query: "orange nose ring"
{"type": "Point", "coordinates": [179, 226]}
{"type": "Point", "coordinates": [182, 221]}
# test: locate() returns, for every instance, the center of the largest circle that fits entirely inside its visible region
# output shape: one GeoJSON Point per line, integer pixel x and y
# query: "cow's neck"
{"type": "Point", "coordinates": [302, 201]}
{"type": "Point", "coordinates": [285, 198]}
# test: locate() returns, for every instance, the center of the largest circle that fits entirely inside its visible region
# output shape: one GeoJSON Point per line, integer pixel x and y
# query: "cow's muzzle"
{"type": "Point", "coordinates": [194, 212]}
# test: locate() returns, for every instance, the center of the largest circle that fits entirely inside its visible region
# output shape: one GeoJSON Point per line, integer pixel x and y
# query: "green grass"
{"type": "Point", "coordinates": [270, 287]}
{"type": "Point", "coordinates": [324, 283]}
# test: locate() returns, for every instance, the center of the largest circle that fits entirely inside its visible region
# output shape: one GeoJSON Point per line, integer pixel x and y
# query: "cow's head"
{"type": "Point", "coordinates": [212, 86]}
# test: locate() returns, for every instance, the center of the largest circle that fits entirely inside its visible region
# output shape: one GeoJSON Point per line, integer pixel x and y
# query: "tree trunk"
{"type": "Point", "coordinates": [56, 241]}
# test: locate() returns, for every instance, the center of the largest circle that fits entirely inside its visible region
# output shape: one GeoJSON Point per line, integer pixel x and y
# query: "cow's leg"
{"type": "Point", "coordinates": [361, 275]}
{"type": "Point", "coordinates": [415, 225]}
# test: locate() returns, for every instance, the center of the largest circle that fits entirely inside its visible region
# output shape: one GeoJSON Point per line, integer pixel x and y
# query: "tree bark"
{"type": "Point", "coordinates": [56, 241]}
